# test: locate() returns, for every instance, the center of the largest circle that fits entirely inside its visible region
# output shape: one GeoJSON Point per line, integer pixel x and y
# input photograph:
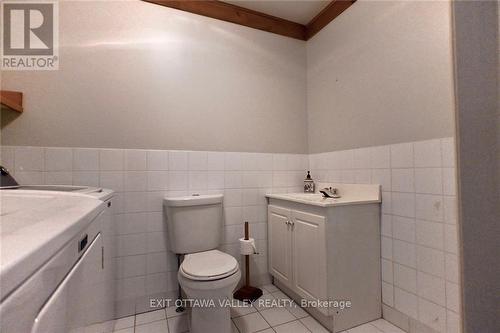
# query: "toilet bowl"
{"type": "Point", "coordinates": [209, 278]}
{"type": "Point", "coordinates": [195, 226]}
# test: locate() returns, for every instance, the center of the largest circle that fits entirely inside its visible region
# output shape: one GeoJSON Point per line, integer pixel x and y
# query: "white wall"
{"type": "Point", "coordinates": [381, 73]}
{"type": "Point", "coordinates": [138, 75]}
{"type": "Point", "coordinates": [420, 267]}
{"type": "Point", "coordinates": [380, 79]}
{"type": "Point", "coordinates": [181, 81]}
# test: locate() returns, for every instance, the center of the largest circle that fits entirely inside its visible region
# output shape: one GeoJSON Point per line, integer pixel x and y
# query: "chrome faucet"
{"type": "Point", "coordinates": [330, 192]}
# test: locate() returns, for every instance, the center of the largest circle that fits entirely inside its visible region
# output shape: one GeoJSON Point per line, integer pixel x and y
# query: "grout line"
{"type": "Point", "coordinates": [234, 324]}
{"type": "Point", "coordinates": [295, 318]}
{"type": "Point", "coordinates": [376, 328]}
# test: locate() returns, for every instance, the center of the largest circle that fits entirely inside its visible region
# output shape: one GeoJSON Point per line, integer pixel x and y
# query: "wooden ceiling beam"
{"type": "Point", "coordinates": [328, 14]}
{"type": "Point", "coordinates": [250, 18]}
{"type": "Point", "coordinates": [239, 15]}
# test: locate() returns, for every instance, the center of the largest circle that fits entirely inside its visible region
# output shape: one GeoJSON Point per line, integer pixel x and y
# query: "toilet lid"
{"type": "Point", "coordinates": [208, 265]}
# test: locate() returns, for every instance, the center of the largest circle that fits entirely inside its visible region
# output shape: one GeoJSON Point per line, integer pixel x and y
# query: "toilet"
{"type": "Point", "coordinates": [207, 276]}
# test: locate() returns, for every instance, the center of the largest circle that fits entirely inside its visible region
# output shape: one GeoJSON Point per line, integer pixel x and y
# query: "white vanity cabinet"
{"type": "Point", "coordinates": [297, 251]}
{"type": "Point", "coordinates": [328, 250]}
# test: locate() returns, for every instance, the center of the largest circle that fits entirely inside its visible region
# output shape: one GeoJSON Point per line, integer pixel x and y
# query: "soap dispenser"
{"type": "Point", "coordinates": [308, 183]}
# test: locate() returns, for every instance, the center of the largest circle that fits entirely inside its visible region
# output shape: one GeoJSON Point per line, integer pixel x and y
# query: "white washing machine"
{"type": "Point", "coordinates": [74, 290]}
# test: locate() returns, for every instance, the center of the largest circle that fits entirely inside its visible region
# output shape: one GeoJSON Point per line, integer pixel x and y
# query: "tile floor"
{"type": "Point", "coordinates": [246, 319]}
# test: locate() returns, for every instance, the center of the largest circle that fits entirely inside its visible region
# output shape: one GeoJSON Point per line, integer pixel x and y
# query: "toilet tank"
{"type": "Point", "coordinates": [194, 223]}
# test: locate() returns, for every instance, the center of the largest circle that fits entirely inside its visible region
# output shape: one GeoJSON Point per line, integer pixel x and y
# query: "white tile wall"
{"type": "Point", "coordinates": [419, 233]}
{"type": "Point", "coordinates": [145, 268]}
{"type": "Point", "coordinates": [83, 159]}
{"type": "Point", "coordinates": [29, 159]}
{"type": "Point", "coordinates": [405, 278]}
{"type": "Point", "coordinates": [58, 159]}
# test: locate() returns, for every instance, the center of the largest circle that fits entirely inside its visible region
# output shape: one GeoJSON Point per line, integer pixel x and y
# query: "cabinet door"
{"type": "Point", "coordinates": [280, 244]}
{"type": "Point", "coordinates": [309, 255]}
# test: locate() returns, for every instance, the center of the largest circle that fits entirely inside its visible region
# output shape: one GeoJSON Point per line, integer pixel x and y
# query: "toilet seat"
{"type": "Point", "coordinates": [208, 266]}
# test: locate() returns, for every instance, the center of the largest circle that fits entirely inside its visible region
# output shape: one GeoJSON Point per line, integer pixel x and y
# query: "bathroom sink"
{"type": "Point", "coordinates": [313, 197]}
{"type": "Point", "coordinates": [308, 196]}
{"type": "Point", "coordinates": [316, 199]}
{"type": "Point", "coordinates": [350, 194]}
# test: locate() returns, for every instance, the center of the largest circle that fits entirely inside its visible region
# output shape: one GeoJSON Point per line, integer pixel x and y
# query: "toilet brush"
{"type": "Point", "coordinates": [247, 292]}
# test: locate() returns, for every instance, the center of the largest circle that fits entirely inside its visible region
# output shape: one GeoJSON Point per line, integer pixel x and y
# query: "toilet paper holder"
{"type": "Point", "coordinates": [247, 293]}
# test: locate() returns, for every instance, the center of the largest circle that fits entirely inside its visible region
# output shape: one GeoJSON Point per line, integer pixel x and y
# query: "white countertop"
{"type": "Point", "coordinates": [351, 194]}
{"type": "Point", "coordinates": [34, 225]}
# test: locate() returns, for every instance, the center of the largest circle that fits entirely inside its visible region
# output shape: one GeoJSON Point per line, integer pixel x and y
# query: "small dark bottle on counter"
{"type": "Point", "coordinates": [308, 183]}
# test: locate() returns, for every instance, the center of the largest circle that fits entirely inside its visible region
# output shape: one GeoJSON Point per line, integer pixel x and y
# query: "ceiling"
{"type": "Point", "coordinates": [300, 11]}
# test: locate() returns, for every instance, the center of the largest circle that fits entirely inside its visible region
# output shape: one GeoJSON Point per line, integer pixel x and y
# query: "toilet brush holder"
{"type": "Point", "coordinates": [247, 293]}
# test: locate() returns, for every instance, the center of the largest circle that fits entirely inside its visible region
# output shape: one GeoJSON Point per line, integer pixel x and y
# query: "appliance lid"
{"type": "Point", "coordinates": [208, 265]}
{"type": "Point", "coordinates": [193, 200]}
{"type": "Point", "coordinates": [34, 226]}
